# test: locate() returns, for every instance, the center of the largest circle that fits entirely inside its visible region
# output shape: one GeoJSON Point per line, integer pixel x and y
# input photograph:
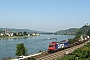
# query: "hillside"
{"type": "Point", "coordinates": [22, 30]}
{"type": "Point", "coordinates": [74, 31]}
{"type": "Point", "coordinates": [83, 30]}
{"type": "Point", "coordinates": [71, 31]}
{"type": "Point", "coordinates": [82, 53]}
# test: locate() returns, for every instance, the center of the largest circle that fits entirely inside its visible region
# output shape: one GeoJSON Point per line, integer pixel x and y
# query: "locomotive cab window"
{"type": "Point", "coordinates": [61, 43]}
{"type": "Point", "coordinates": [51, 45]}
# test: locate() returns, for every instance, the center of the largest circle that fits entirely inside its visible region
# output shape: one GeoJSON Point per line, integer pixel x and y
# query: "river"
{"type": "Point", "coordinates": [33, 44]}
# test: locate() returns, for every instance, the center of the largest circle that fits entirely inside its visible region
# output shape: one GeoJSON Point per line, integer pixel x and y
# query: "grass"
{"type": "Point", "coordinates": [82, 53]}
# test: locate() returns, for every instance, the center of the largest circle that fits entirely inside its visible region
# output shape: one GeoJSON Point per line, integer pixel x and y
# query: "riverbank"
{"type": "Point", "coordinates": [7, 37]}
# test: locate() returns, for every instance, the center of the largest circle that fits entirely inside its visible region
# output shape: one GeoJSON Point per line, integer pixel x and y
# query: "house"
{"type": "Point", "coordinates": [8, 33]}
{"type": "Point", "coordinates": [1, 34]}
{"type": "Point", "coordinates": [35, 34]}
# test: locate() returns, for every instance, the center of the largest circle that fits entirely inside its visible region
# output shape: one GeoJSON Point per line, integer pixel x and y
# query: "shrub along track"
{"type": "Point", "coordinates": [53, 56]}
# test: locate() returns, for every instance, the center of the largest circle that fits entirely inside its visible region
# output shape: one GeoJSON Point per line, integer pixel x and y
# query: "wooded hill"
{"type": "Point", "coordinates": [74, 31]}
{"type": "Point", "coordinates": [71, 31]}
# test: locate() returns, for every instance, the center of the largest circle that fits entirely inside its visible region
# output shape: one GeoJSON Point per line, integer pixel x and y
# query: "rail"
{"type": "Point", "coordinates": [52, 56]}
{"type": "Point", "coordinates": [62, 52]}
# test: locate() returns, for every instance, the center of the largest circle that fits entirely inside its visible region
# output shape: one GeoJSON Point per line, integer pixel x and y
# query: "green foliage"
{"type": "Point", "coordinates": [83, 30]}
{"type": "Point", "coordinates": [70, 41]}
{"type": "Point", "coordinates": [78, 36]}
{"type": "Point", "coordinates": [14, 34]}
{"type": "Point", "coordinates": [79, 33]}
{"type": "Point", "coordinates": [88, 33]}
{"type": "Point", "coordinates": [25, 33]}
{"type": "Point", "coordinates": [82, 53]}
{"type": "Point", "coordinates": [31, 58]}
{"type": "Point", "coordinates": [21, 50]}
{"type": "Point", "coordinates": [74, 31]}
{"type": "Point", "coordinates": [20, 34]}
{"type": "Point", "coordinates": [71, 31]}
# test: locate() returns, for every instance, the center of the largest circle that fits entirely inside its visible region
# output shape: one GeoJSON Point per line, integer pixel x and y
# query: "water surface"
{"type": "Point", "coordinates": [33, 44]}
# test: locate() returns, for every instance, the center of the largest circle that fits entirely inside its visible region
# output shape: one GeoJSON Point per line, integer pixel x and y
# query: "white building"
{"type": "Point", "coordinates": [86, 24]}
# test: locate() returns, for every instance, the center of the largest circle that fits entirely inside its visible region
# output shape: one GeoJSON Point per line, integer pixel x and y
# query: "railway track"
{"type": "Point", "coordinates": [53, 56]}
{"type": "Point", "coordinates": [41, 55]}
{"type": "Point", "coordinates": [46, 54]}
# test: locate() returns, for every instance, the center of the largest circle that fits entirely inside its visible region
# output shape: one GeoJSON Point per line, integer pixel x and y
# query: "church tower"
{"type": "Point", "coordinates": [5, 30]}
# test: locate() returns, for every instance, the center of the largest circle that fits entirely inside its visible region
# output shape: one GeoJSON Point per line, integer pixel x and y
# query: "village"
{"type": "Point", "coordinates": [8, 33]}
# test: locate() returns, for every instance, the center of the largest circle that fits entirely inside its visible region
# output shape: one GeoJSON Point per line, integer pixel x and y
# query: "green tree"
{"type": "Point", "coordinates": [25, 33]}
{"type": "Point", "coordinates": [14, 34]}
{"type": "Point", "coordinates": [20, 34]}
{"type": "Point", "coordinates": [21, 50]}
{"type": "Point", "coordinates": [88, 33]}
{"type": "Point", "coordinates": [31, 58]}
{"type": "Point", "coordinates": [70, 41]}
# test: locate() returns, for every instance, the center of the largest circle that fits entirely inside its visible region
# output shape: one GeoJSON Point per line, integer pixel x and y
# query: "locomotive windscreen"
{"type": "Point", "coordinates": [51, 45]}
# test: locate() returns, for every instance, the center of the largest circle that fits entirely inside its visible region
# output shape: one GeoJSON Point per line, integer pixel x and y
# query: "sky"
{"type": "Point", "coordinates": [44, 15]}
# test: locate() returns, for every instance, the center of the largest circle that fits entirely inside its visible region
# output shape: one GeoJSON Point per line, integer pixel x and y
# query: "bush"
{"type": "Point", "coordinates": [31, 58]}
{"type": "Point", "coordinates": [82, 53]}
{"type": "Point", "coordinates": [70, 41]}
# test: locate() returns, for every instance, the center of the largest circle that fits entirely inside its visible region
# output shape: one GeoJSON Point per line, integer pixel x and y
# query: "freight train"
{"type": "Point", "coordinates": [55, 46]}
